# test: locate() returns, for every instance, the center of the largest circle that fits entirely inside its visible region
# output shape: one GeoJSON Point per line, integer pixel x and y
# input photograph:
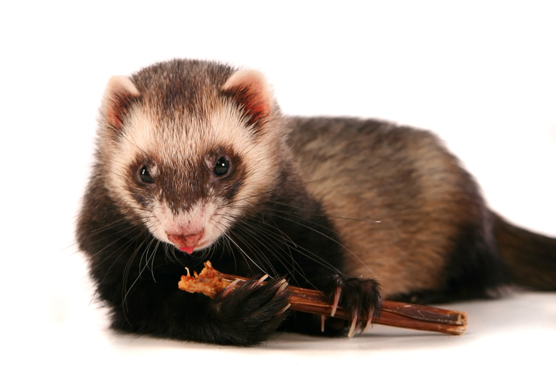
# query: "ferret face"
{"type": "Point", "coordinates": [188, 175]}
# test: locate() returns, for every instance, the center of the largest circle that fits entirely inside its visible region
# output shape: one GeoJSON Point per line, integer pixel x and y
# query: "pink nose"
{"type": "Point", "coordinates": [186, 243]}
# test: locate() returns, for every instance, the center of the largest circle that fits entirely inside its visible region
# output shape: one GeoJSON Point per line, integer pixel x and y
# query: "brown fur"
{"type": "Point", "coordinates": [396, 196]}
{"type": "Point", "coordinates": [531, 262]}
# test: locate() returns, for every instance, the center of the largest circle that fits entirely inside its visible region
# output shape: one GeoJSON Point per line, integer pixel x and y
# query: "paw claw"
{"type": "Point", "coordinates": [283, 286]}
{"type": "Point", "coordinates": [353, 327]}
{"type": "Point", "coordinates": [285, 308]}
{"type": "Point", "coordinates": [337, 294]}
{"type": "Point", "coordinates": [230, 287]}
{"type": "Point", "coordinates": [370, 315]}
{"type": "Point", "coordinates": [367, 325]}
{"type": "Point", "coordinates": [262, 279]}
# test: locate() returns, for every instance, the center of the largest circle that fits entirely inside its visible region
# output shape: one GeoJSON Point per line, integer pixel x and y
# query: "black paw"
{"type": "Point", "coordinates": [253, 310]}
{"type": "Point", "coordinates": [359, 299]}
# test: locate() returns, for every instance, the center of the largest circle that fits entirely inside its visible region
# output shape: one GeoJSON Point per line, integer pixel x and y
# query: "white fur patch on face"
{"type": "Point", "coordinates": [138, 137]}
{"type": "Point", "coordinates": [257, 154]}
{"type": "Point", "coordinates": [203, 218]}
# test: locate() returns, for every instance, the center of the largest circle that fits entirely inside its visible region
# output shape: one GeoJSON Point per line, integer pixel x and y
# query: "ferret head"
{"type": "Point", "coordinates": [188, 147]}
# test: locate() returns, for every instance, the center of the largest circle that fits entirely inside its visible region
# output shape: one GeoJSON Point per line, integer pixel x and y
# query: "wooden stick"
{"type": "Point", "coordinates": [402, 315]}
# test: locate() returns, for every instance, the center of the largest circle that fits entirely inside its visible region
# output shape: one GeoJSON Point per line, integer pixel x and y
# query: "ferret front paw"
{"type": "Point", "coordinates": [359, 298]}
{"type": "Point", "coordinates": [253, 310]}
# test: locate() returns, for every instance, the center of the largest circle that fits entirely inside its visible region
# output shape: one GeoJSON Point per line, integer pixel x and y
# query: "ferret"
{"type": "Point", "coordinates": [196, 162]}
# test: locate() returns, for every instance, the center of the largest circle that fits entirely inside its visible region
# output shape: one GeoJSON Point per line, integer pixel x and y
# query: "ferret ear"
{"type": "Point", "coordinates": [250, 90]}
{"type": "Point", "coordinates": [119, 95]}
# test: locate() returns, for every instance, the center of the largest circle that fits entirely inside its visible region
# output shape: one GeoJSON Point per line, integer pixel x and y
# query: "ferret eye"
{"type": "Point", "coordinates": [222, 166]}
{"type": "Point", "coordinates": [145, 175]}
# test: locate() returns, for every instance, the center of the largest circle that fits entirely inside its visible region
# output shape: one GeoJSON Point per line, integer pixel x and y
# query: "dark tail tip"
{"type": "Point", "coordinates": [529, 257]}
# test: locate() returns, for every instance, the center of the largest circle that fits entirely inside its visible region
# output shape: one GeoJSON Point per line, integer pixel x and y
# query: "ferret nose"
{"type": "Point", "coordinates": [186, 242]}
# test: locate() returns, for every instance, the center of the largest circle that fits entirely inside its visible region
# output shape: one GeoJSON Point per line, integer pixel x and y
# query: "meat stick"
{"type": "Point", "coordinates": [402, 315]}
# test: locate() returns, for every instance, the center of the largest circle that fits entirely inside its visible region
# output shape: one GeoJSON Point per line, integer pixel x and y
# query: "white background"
{"type": "Point", "coordinates": [480, 74]}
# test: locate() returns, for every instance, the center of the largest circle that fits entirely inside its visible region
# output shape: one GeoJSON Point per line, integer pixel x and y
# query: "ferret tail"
{"type": "Point", "coordinates": [530, 258]}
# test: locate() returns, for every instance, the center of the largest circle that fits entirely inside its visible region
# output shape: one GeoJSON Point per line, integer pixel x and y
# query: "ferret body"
{"type": "Point", "coordinates": [195, 161]}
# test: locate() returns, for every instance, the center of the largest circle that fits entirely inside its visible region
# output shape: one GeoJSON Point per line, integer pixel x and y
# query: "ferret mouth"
{"type": "Point", "coordinates": [190, 249]}
{"type": "Point", "coordinates": [187, 242]}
